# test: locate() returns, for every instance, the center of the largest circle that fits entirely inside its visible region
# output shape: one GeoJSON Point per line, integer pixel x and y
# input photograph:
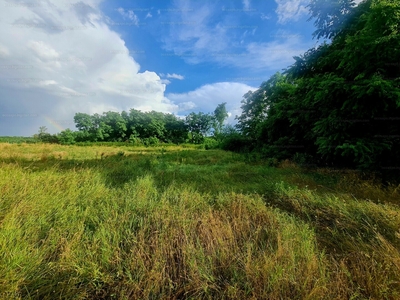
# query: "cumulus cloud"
{"type": "Point", "coordinates": [207, 97]}
{"type": "Point", "coordinates": [59, 59]}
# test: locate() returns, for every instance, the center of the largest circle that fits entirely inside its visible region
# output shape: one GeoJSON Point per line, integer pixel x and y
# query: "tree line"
{"type": "Point", "coordinates": [139, 127]}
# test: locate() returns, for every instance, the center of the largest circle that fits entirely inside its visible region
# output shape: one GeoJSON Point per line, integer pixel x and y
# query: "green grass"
{"type": "Point", "coordinates": [18, 140]}
{"type": "Point", "coordinates": [104, 222]}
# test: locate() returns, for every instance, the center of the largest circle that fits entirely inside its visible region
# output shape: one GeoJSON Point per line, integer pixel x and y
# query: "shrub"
{"type": "Point", "coordinates": [48, 138]}
{"type": "Point", "coordinates": [304, 160]}
{"type": "Point", "coordinates": [236, 142]}
{"type": "Point", "coordinates": [151, 141]}
{"type": "Point", "coordinates": [210, 143]}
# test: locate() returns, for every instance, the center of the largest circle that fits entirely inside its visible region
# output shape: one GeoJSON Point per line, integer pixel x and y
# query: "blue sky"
{"type": "Point", "coordinates": [62, 57]}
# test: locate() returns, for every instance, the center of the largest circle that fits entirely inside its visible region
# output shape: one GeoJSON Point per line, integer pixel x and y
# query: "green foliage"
{"type": "Point", "coordinates": [211, 143]}
{"type": "Point", "coordinates": [199, 125]}
{"type": "Point", "coordinates": [220, 115]}
{"type": "Point", "coordinates": [331, 16]}
{"type": "Point", "coordinates": [19, 139]}
{"type": "Point", "coordinates": [66, 137]}
{"type": "Point", "coordinates": [151, 141]}
{"type": "Point", "coordinates": [337, 104]}
{"type": "Point", "coordinates": [46, 137]}
{"type": "Point", "coordinates": [118, 127]}
{"type": "Point", "coordinates": [140, 128]}
{"type": "Point", "coordinates": [232, 140]}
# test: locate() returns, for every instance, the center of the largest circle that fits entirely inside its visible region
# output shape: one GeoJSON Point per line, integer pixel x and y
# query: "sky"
{"type": "Point", "coordinates": [59, 57]}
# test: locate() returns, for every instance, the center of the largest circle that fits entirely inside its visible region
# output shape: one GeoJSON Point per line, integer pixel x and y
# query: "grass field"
{"type": "Point", "coordinates": [171, 222]}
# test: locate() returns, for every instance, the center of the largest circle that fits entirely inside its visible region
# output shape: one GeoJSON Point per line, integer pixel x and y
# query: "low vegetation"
{"type": "Point", "coordinates": [105, 222]}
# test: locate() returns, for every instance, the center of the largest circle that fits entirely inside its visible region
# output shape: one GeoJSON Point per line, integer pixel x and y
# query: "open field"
{"type": "Point", "coordinates": [183, 223]}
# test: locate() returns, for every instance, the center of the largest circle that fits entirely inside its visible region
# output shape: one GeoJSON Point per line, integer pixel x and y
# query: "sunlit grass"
{"type": "Point", "coordinates": [173, 222]}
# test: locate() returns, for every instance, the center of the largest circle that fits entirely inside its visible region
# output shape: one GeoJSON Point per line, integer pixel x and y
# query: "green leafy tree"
{"type": "Point", "coordinates": [220, 115]}
{"type": "Point", "coordinates": [117, 126]}
{"type": "Point", "coordinates": [339, 102]}
{"type": "Point", "coordinates": [85, 124]}
{"type": "Point", "coordinates": [66, 137]}
{"type": "Point", "coordinates": [176, 131]}
{"type": "Point", "coordinates": [330, 16]}
{"type": "Point", "coordinates": [357, 99]}
{"type": "Point", "coordinates": [199, 125]}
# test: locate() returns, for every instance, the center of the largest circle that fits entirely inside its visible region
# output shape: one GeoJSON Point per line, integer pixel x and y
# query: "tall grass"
{"type": "Point", "coordinates": [185, 224]}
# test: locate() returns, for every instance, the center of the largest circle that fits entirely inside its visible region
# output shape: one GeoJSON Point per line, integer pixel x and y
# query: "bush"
{"type": "Point", "coordinates": [151, 141]}
{"type": "Point", "coordinates": [48, 138]}
{"type": "Point", "coordinates": [236, 142]}
{"type": "Point", "coordinates": [210, 143]}
{"type": "Point", "coordinates": [304, 160]}
{"type": "Point", "coordinates": [135, 141]}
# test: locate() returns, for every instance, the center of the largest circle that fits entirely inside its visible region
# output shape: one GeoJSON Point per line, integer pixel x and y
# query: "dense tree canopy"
{"type": "Point", "coordinates": [340, 102]}
{"type": "Point", "coordinates": [140, 127]}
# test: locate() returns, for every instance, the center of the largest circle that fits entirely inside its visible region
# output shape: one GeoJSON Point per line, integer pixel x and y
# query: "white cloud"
{"type": "Point", "coordinates": [42, 50]}
{"type": "Point", "coordinates": [149, 15]}
{"type": "Point", "coordinates": [246, 4]}
{"type": "Point", "coordinates": [207, 97]}
{"type": "Point", "coordinates": [65, 59]}
{"type": "Point", "coordinates": [175, 76]}
{"type": "Point", "coordinates": [206, 41]}
{"type": "Point", "coordinates": [196, 35]}
{"type": "Point", "coordinates": [274, 55]}
{"type": "Point", "coordinates": [165, 81]}
{"type": "Point", "coordinates": [4, 51]}
{"type": "Point", "coordinates": [129, 15]}
{"type": "Point", "coordinates": [291, 10]}
{"type": "Point", "coordinates": [265, 17]}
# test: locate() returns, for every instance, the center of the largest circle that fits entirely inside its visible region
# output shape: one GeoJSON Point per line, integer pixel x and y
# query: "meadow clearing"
{"type": "Point", "coordinates": [180, 222]}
